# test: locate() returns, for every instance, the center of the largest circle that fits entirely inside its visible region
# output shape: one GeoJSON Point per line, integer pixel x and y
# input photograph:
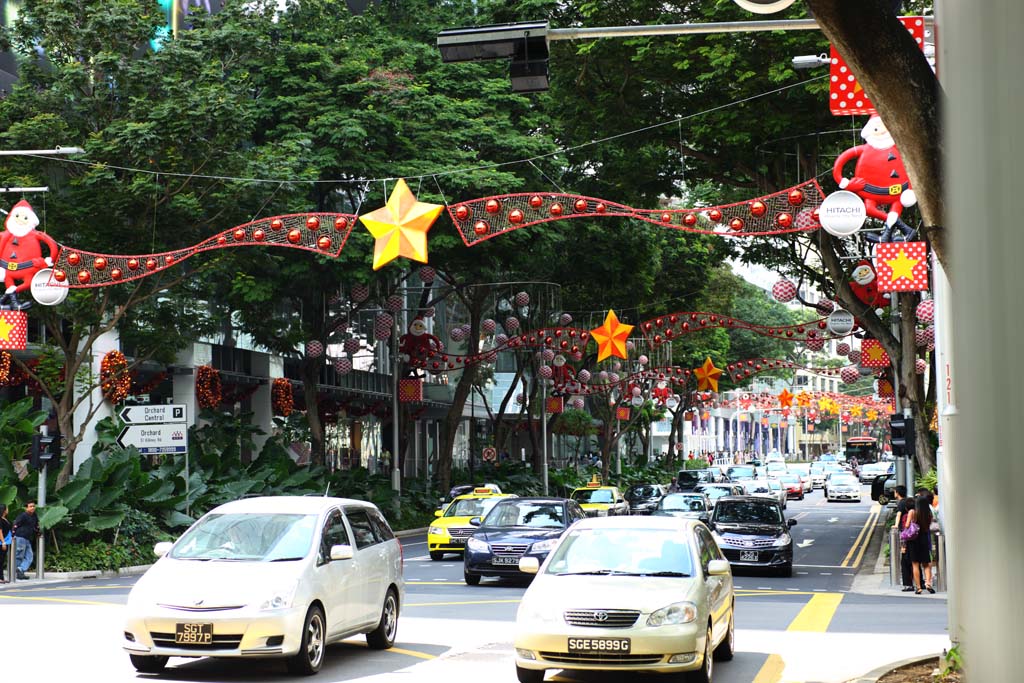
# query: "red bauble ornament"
{"type": "Point", "coordinates": [715, 215]}
{"type": "Point", "coordinates": [84, 276]}
{"type": "Point", "coordinates": [340, 223]}
{"type": "Point", "coordinates": [796, 197]}
{"type": "Point", "coordinates": [556, 209]}
{"type": "Point", "coordinates": [99, 263]}
{"type": "Point", "coordinates": [758, 208]}
{"type": "Point", "coordinates": [313, 223]}
{"type": "Point", "coordinates": [222, 240]}
{"type": "Point", "coordinates": [151, 264]}
{"type": "Point", "coordinates": [59, 275]}
{"type": "Point", "coordinates": [580, 205]}
{"type": "Point", "coordinates": [690, 220]}
{"type": "Point", "coordinates": [239, 235]}
{"type": "Point", "coordinates": [133, 264]}
{"type": "Point", "coordinates": [169, 259]}
{"type": "Point", "coordinates": [461, 212]}
{"type": "Point", "coordinates": [536, 201]}
{"type": "Point", "coordinates": [115, 274]}
{"type": "Point", "coordinates": [74, 259]}
{"type": "Point", "coordinates": [481, 227]}
{"type": "Point", "coordinates": [736, 224]}
{"type": "Point", "coordinates": [492, 206]}
{"type": "Point", "coordinates": [666, 217]}
{"type": "Point", "coordinates": [259, 234]}
{"type": "Point", "coordinates": [276, 224]}
{"type": "Point", "coordinates": [601, 207]}
{"type": "Point", "coordinates": [516, 216]}
{"type": "Point", "coordinates": [294, 236]}
{"type": "Point", "coordinates": [324, 243]}
{"type": "Point", "coordinates": [784, 220]}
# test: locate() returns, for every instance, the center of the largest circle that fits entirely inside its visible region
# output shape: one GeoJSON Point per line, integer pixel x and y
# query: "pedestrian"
{"type": "Point", "coordinates": [673, 487]}
{"type": "Point", "coordinates": [26, 528]}
{"type": "Point", "coordinates": [711, 459]}
{"type": "Point", "coordinates": [903, 507]}
{"type": "Point", "coordinates": [919, 547]}
{"type": "Point", "coordinates": [5, 540]}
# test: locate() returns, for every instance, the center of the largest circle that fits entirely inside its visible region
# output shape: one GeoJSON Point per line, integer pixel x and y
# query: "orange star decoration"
{"type": "Point", "coordinates": [785, 399]}
{"type": "Point", "coordinates": [401, 227]}
{"type": "Point", "coordinates": [611, 337]}
{"type": "Point", "coordinates": [707, 376]}
{"type": "Point", "coordinates": [856, 411]}
{"type": "Point", "coordinates": [803, 399]}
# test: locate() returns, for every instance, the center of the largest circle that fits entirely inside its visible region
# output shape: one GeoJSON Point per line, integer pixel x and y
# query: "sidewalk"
{"type": "Point", "coordinates": [874, 579]}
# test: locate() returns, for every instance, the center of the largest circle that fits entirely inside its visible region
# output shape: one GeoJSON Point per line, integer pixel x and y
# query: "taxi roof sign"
{"type": "Point", "coordinates": [483, 490]}
{"type": "Point", "coordinates": [593, 484]}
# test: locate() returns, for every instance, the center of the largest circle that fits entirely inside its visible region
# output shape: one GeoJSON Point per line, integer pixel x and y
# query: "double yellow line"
{"type": "Point", "coordinates": [859, 546]}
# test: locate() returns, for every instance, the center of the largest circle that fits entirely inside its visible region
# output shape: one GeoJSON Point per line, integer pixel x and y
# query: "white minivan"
{"type": "Point", "coordinates": [269, 577]}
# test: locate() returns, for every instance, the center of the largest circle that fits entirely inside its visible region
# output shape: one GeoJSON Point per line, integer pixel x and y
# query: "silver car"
{"type": "Point", "coordinates": [767, 488]}
{"type": "Point", "coordinates": [843, 487]}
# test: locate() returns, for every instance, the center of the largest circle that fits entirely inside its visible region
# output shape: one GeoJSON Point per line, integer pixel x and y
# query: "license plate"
{"type": "Point", "coordinates": [748, 556]}
{"type": "Point", "coordinates": [193, 634]}
{"type": "Point", "coordinates": [505, 560]}
{"type": "Point", "coordinates": [458, 541]}
{"type": "Point", "coordinates": [599, 645]}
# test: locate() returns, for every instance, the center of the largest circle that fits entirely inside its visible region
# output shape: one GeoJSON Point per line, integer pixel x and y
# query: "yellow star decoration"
{"type": "Point", "coordinates": [611, 337]}
{"type": "Point", "coordinates": [856, 411]}
{"type": "Point", "coordinates": [5, 329]}
{"type": "Point", "coordinates": [707, 376]}
{"type": "Point", "coordinates": [785, 399]}
{"type": "Point", "coordinates": [872, 415]}
{"type": "Point", "coordinates": [902, 266]}
{"type": "Point", "coordinates": [400, 227]}
{"type": "Point", "coordinates": [876, 353]}
{"type": "Point", "coordinates": [803, 399]}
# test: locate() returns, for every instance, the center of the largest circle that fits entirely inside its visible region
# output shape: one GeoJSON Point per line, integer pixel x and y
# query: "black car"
{"type": "Point", "coordinates": [882, 488]}
{"type": "Point", "coordinates": [643, 498]}
{"type": "Point", "coordinates": [690, 504]}
{"type": "Point", "coordinates": [753, 532]}
{"type": "Point", "coordinates": [515, 528]}
{"type": "Point", "coordinates": [688, 480]}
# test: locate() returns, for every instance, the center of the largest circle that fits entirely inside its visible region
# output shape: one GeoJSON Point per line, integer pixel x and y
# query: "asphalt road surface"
{"type": "Point", "coordinates": [812, 627]}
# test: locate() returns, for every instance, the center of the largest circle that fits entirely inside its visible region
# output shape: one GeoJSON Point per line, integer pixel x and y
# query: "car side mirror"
{"type": "Point", "coordinates": [341, 552]}
{"type": "Point", "coordinates": [162, 548]}
{"type": "Point", "coordinates": [790, 522]}
{"type": "Point", "coordinates": [718, 568]}
{"type": "Point", "coordinates": [704, 517]}
{"type": "Point", "coordinates": [475, 521]}
{"type": "Point", "coordinates": [620, 500]}
{"type": "Point", "coordinates": [529, 565]}
{"type": "Point", "coordinates": [438, 513]}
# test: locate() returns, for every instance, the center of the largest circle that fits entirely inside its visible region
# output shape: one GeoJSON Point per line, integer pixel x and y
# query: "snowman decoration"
{"type": "Point", "coordinates": [21, 255]}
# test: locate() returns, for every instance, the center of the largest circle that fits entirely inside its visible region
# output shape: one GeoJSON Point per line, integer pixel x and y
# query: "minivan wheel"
{"type": "Point", "coordinates": [310, 656]}
{"type": "Point", "coordinates": [148, 664]}
{"type": "Point", "coordinates": [383, 637]}
{"type": "Point", "coordinates": [436, 556]}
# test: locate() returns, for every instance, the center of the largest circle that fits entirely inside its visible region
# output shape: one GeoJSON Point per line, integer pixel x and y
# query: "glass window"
{"type": "Point", "coordinates": [471, 507]}
{"type": "Point", "coordinates": [249, 537]}
{"type": "Point", "coordinates": [361, 527]}
{"type": "Point", "coordinates": [334, 534]}
{"type": "Point", "coordinates": [622, 551]}
{"type": "Point", "coordinates": [380, 525]}
{"type": "Point", "coordinates": [593, 495]}
{"type": "Point", "coordinates": [526, 514]}
{"type": "Point", "coordinates": [716, 552]}
{"type": "Point", "coordinates": [748, 512]}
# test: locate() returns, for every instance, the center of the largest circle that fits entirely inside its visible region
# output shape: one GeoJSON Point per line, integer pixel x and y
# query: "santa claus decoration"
{"type": "Point", "coordinates": [878, 178]}
{"type": "Point", "coordinates": [864, 284]}
{"type": "Point", "coordinates": [21, 255]}
{"type": "Point", "coordinates": [562, 373]}
{"type": "Point", "coordinates": [418, 344]}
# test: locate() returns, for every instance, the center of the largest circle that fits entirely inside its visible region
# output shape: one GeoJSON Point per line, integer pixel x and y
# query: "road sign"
{"type": "Point", "coordinates": [152, 439]}
{"type": "Point", "coordinates": [490, 454]}
{"type": "Point", "coordinates": [151, 415]}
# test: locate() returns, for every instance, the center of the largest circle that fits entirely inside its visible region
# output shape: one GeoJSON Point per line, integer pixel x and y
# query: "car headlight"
{"type": "Point", "coordinates": [676, 613]}
{"type": "Point", "coordinates": [478, 546]}
{"type": "Point", "coordinates": [601, 513]}
{"type": "Point", "coordinates": [544, 546]}
{"type": "Point", "coordinates": [784, 539]}
{"type": "Point", "coordinates": [282, 597]}
{"type": "Point", "coordinates": [437, 531]}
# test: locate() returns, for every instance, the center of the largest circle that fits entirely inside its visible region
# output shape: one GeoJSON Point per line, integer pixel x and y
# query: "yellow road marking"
{"type": "Point", "coordinates": [817, 613]}
{"type": "Point", "coordinates": [867, 537]}
{"type": "Point", "coordinates": [751, 592]}
{"type": "Point", "coordinates": [67, 601]}
{"type": "Point", "coordinates": [771, 670]}
{"type": "Point", "coordinates": [396, 650]}
{"type": "Point", "coordinates": [61, 588]}
{"type": "Point", "coordinates": [863, 532]}
{"type": "Point", "coordinates": [467, 602]}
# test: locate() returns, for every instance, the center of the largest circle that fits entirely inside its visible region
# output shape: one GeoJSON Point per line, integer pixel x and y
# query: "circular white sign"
{"type": "Point", "coordinates": [840, 322]}
{"type": "Point", "coordinates": [764, 6]}
{"type": "Point", "coordinates": [46, 290]}
{"type": "Point", "coordinates": [637, 401]}
{"type": "Point", "coordinates": [842, 214]}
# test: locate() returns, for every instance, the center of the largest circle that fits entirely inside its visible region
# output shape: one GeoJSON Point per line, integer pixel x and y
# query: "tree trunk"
{"type": "Point", "coordinates": [462, 390]}
{"type": "Point", "coordinates": [310, 390]}
{"type": "Point", "coordinates": [892, 69]}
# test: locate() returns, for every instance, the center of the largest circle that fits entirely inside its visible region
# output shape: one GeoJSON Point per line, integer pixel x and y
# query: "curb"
{"type": "Point", "coordinates": [875, 674]}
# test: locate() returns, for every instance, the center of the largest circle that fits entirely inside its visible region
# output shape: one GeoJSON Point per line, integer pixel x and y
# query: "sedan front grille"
{"type": "Point", "coordinates": [741, 542]}
{"type": "Point", "coordinates": [602, 618]}
{"type": "Point", "coordinates": [192, 608]}
{"type": "Point", "coordinates": [600, 658]}
{"type": "Point", "coordinates": [514, 549]}
{"type": "Point", "coordinates": [461, 531]}
{"type": "Point", "coordinates": [220, 642]}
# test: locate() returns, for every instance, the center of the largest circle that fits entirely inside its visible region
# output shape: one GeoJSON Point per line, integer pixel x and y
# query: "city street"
{"type": "Point", "coordinates": [811, 627]}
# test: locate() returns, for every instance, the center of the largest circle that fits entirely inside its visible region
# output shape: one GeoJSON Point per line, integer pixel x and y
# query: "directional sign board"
{"type": "Point", "coordinates": [174, 413]}
{"type": "Point", "coordinates": [152, 439]}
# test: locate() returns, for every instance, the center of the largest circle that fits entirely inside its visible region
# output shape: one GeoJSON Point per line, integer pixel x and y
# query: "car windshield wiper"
{"type": "Point", "coordinates": [285, 559]}
{"type": "Point", "coordinates": [600, 572]}
{"type": "Point", "coordinates": [683, 574]}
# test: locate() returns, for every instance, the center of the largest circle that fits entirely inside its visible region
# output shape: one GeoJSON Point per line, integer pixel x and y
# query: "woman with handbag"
{"type": "Point", "coordinates": [918, 539]}
{"type": "Point", "coordinates": [6, 540]}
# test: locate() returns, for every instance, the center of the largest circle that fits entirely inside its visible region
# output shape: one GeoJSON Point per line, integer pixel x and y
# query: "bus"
{"type": "Point", "coordinates": [864, 448]}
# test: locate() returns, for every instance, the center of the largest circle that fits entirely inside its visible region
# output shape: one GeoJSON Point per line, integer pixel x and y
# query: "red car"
{"type": "Point", "coordinates": [794, 487]}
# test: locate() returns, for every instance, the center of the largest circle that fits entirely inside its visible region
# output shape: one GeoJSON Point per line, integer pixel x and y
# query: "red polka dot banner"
{"type": "Point", "coordinates": [901, 266]}
{"type": "Point", "coordinates": [13, 330]}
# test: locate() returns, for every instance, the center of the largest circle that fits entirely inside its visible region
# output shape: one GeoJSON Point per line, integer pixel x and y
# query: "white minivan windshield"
{"type": "Point", "coordinates": [248, 537]}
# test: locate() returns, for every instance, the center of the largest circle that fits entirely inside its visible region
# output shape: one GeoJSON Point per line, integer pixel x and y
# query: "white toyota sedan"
{"type": "Point", "coordinates": [627, 594]}
{"type": "Point", "coordinates": [269, 577]}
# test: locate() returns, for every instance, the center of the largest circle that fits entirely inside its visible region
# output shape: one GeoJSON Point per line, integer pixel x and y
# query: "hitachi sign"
{"type": "Point", "coordinates": [842, 213]}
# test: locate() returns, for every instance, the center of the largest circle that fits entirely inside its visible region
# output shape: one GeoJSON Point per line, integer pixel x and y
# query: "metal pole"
{"type": "Point", "coordinates": [682, 29]}
{"type": "Point", "coordinates": [618, 447]}
{"type": "Point", "coordinates": [396, 472]}
{"type": "Point", "coordinates": [894, 556]}
{"type": "Point", "coordinates": [36, 152]}
{"type": "Point", "coordinates": [188, 512]}
{"type": "Point", "coordinates": [544, 433]}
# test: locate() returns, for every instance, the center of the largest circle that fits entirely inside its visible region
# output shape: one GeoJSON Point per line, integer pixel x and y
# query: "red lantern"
{"type": "Point", "coordinates": [461, 212]}
{"type": "Point", "coordinates": [99, 263]}
{"type": "Point", "coordinates": [481, 227]}
{"type": "Point", "coordinates": [600, 208]}
{"type": "Point", "coordinates": [239, 235]}
{"type": "Point", "coordinates": [324, 243]}
{"type": "Point", "coordinates": [690, 220]}
{"type": "Point", "coordinates": [276, 224]}
{"type": "Point", "coordinates": [313, 223]}
{"type": "Point", "coordinates": [492, 206]}
{"type": "Point", "coordinates": [580, 206]}
{"type": "Point", "coordinates": [74, 259]}
{"type": "Point", "coordinates": [516, 216]}
{"type": "Point", "coordinates": [736, 224]}
{"type": "Point", "coordinates": [133, 264]}
{"type": "Point", "coordinates": [556, 209]}
{"type": "Point", "coordinates": [151, 264]}
{"type": "Point", "coordinates": [666, 217]}
{"type": "Point", "coordinates": [536, 201]}
{"type": "Point", "coordinates": [758, 208]}
{"type": "Point", "coordinates": [222, 240]}
{"type": "Point", "coordinates": [84, 276]}
{"type": "Point", "coordinates": [259, 234]}
{"type": "Point", "coordinates": [294, 236]}
{"type": "Point", "coordinates": [340, 223]}
{"type": "Point", "coordinates": [784, 220]}
{"type": "Point", "coordinates": [715, 215]}
{"type": "Point", "coordinates": [796, 197]}
{"type": "Point", "coordinates": [115, 274]}
{"type": "Point", "coordinates": [59, 275]}
{"type": "Point", "coordinates": [169, 259]}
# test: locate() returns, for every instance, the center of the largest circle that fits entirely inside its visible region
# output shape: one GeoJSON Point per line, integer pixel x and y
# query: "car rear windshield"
{"type": "Point", "coordinates": [526, 514]}
{"type": "Point", "coordinates": [688, 478]}
{"type": "Point", "coordinates": [612, 550]}
{"type": "Point", "coordinates": [592, 496]}
{"type": "Point", "coordinates": [248, 537]}
{"type": "Point", "coordinates": [683, 502]}
{"type": "Point", "coordinates": [645, 491]}
{"type": "Point", "coordinates": [471, 507]}
{"type": "Point", "coordinates": [741, 472]}
{"type": "Point", "coordinates": [747, 512]}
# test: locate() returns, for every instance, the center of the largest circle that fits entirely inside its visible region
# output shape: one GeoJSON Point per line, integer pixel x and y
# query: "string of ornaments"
{"type": "Point", "coordinates": [115, 380]}
{"type": "Point", "coordinates": [208, 387]}
{"type": "Point", "coordinates": [281, 397]}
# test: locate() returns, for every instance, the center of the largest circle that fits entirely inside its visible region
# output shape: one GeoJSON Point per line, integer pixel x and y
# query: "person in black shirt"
{"type": "Point", "coordinates": [5, 539]}
{"type": "Point", "coordinates": [903, 506]}
{"type": "Point", "coordinates": [26, 528]}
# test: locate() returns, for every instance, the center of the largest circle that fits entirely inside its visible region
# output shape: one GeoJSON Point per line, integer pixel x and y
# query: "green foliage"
{"type": "Point", "coordinates": [929, 480]}
{"type": "Point", "coordinates": [954, 663]}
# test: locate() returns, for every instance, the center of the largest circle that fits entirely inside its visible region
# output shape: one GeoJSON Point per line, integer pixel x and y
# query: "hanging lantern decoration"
{"type": "Point", "coordinates": [545, 371]}
{"type": "Point", "coordinates": [815, 344]}
{"type": "Point", "coordinates": [926, 312]}
{"type": "Point", "coordinates": [643, 360]}
{"type": "Point", "coordinates": [511, 323]}
{"type": "Point", "coordinates": [351, 346]}
{"type": "Point", "coordinates": [824, 307]}
{"type": "Point", "coordinates": [314, 349]}
{"type": "Point", "coordinates": [342, 365]}
{"type": "Point", "coordinates": [208, 390]}
{"type": "Point", "coordinates": [577, 403]}
{"type": "Point", "coordinates": [382, 326]}
{"type": "Point", "coordinates": [360, 293]}
{"type": "Point", "coordinates": [427, 274]}
{"type": "Point", "coordinates": [5, 367]}
{"type": "Point", "coordinates": [613, 377]}
{"type": "Point", "coordinates": [428, 312]}
{"type": "Point", "coordinates": [281, 398]}
{"type": "Point", "coordinates": [925, 337]}
{"type": "Point", "coordinates": [465, 330]}
{"type": "Point", "coordinates": [457, 334]}
{"type": "Point", "coordinates": [115, 380]}
{"type": "Point", "coordinates": [488, 326]}
{"type": "Point", "coordinates": [547, 355]}
{"type": "Point", "coordinates": [565, 319]}
{"type": "Point", "coordinates": [500, 340]}
{"type": "Point", "coordinates": [394, 303]}
{"type": "Point", "coordinates": [784, 291]}
{"type": "Point", "coordinates": [920, 366]}
{"type": "Point", "coordinates": [849, 375]}
{"type": "Point", "coordinates": [854, 356]}
{"type": "Point", "coordinates": [842, 349]}
{"type": "Point", "coordinates": [522, 299]}
{"type": "Point", "coordinates": [583, 375]}
{"type": "Point", "coordinates": [807, 219]}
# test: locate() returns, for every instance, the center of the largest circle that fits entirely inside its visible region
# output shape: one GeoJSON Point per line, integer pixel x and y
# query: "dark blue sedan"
{"type": "Point", "coordinates": [514, 528]}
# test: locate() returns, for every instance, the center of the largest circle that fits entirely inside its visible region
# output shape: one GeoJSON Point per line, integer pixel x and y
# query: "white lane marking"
{"type": "Point", "coordinates": [833, 520]}
{"type": "Point", "coordinates": [764, 588]}
{"type": "Point", "coordinates": [803, 573]}
{"type": "Point", "coordinates": [806, 543]}
{"type": "Point", "coordinates": [825, 573]}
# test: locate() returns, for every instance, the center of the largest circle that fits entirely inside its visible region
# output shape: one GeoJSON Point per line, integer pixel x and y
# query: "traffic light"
{"type": "Point", "coordinates": [45, 452]}
{"type": "Point", "coordinates": [901, 436]}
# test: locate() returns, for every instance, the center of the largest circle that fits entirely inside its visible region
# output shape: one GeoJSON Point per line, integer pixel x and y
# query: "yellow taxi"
{"type": "Point", "coordinates": [450, 531]}
{"type": "Point", "coordinates": [600, 501]}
